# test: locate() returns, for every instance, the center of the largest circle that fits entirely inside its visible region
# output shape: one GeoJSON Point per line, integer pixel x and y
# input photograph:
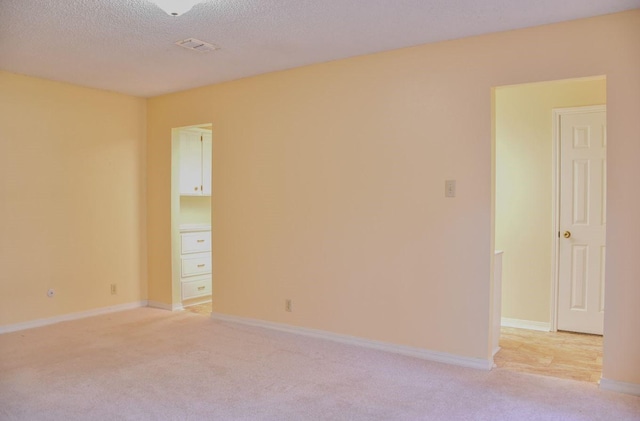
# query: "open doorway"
{"type": "Point", "coordinates": [191, 234]}
{"type": "Point", "coordinates": [527, 225]}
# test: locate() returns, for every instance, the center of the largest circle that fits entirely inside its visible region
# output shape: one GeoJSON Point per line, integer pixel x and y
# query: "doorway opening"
{"type": "Point", "coordinates": [540, 274]}
{"type": "Point", "coordinates": [191, 234]}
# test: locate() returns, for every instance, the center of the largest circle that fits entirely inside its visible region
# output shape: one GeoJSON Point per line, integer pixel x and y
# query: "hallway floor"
{"type": "Point", "coordinates": [204, 309]}
{"type": "Point", "coordinates": [563, 355]}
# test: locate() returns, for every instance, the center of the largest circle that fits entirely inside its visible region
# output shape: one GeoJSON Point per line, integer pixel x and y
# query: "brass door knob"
{"type": "Point", "coordinates": [567, 234]}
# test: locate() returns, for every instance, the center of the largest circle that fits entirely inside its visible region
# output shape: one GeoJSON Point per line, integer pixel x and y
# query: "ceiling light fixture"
{"type": "Point", "coordinates": [176, 7]}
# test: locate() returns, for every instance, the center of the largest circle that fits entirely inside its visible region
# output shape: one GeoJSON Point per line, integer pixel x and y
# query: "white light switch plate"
{"type": "Point", "coordinates": [450, 188]}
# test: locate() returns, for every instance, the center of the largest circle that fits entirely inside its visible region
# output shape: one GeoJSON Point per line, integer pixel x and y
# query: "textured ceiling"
{"type": "Point", "coordinates": [128, 45]}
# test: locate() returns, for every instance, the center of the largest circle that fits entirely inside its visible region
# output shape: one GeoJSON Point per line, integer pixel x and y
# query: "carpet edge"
{"type": "Point", "coordinates": [71, 316]}
{"type": "Point", "coordinates": [425, 354]}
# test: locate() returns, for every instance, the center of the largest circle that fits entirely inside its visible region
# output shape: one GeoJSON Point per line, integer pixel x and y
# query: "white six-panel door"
{"type": "Point", "coordinates": [582, 220]}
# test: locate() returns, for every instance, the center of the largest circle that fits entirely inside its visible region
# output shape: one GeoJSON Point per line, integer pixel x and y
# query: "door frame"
{"type": "Point", "coordinates": [556, 114]}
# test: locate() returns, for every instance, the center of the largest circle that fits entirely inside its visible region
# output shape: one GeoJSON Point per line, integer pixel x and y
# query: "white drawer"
{"type": "Point", "coordinates": [199, 264]}
{"type": "Point", "coordinates": [195, 242]}
{"type": "Point", "coordinates": [195, 289]}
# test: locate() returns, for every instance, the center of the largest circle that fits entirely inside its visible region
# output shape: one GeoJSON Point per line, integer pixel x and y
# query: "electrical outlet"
{"type": "Point", "coordinates": [114, 289]}
{"type": "Point", "coordinates": [287, 305]}
{"type": "Point", "coordinates": [51, 293]}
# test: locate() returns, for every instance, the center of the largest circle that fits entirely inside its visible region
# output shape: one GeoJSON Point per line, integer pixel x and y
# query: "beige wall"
{"type": "Point", "coordinates": [329, 186]}
{"type": "Point", "coordinates": [72, 198]}
{"type": "Point", "coordinates": [524, 228]}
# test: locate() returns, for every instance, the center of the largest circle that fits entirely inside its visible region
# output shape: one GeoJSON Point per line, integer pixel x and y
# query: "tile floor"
{"type": "Point", "coordinates": [204, 309]}
{"type": "Point", "coordinates": [556, 354]}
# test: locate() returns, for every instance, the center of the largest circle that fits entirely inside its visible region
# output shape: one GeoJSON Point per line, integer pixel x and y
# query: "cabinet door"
{"type": "Point", "coordinates": [190, 164]}
{"type": "Point", "coordinates": [206, 164]}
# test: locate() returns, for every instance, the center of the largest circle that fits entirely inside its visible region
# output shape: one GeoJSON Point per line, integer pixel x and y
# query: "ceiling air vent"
{"type": "Point", "coordinates": [196, 45]}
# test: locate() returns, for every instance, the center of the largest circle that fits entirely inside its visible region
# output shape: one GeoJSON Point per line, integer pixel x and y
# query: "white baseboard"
{"type": "Point", "coordinates": [621, 387]}
{"type": "Point", "coordinates": [424, 354]}
{"type": "Point", "coordinates": [163, 306]}
{"type": "Point", "coordinates": [526, 324]}
{"type": "Point", "coordinates": [71, 316]}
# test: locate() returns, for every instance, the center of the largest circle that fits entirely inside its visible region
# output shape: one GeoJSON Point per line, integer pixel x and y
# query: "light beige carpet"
{"type": "Point", "coordinates": [149, 364]}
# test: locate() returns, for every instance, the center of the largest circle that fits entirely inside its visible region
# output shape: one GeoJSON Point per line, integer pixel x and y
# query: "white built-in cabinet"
{"type": "Point", "coordinates": [195, 162]}
{"type": "Point", "coordinates": [195, 262]}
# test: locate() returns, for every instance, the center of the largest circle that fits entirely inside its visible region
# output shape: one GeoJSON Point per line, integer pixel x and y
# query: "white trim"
{"type": "Point", "coordinates": [163, 306]}
{"type": "Point", "coordinates": [555, 220]}
{"type": "Point", "coordinates": [71, 316]}
{"type": "Point", "coordinates": [620, 387]}
{"type": "Point", "coordinates": [526, 324]}
{"type": "Point", "coordinates": [424, 354]}
{"type": "Point", "coordinates": [556, 113]}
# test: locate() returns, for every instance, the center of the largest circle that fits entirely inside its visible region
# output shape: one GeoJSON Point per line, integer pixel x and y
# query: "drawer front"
{"type": "Point", "coordinates": [197, 265]}
{"type": "Point", "coordinates": [195, 289]}
{"type": "Point", "coordinates": [195, 242]}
